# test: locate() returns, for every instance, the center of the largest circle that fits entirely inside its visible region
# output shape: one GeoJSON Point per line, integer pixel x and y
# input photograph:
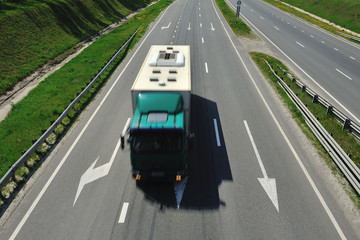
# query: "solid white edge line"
{"type": "Point", "coordinates": [343, 74]}
{"type": "Point", "coordinates": [217, 133]}
{"type": "Point", "coordinates": [206, 68]}
{"type": "Point", "coordinates": [37, 199]}
{"type": "Point", "coordinates": [123, 212]}
{"type": "Point", "coordinates": [312, 183]}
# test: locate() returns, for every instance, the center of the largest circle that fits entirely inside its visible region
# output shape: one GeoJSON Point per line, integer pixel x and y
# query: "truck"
{"type": "Point", "coordinates": [159, 132]}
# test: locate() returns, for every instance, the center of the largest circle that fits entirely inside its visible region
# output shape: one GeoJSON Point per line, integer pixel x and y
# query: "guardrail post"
{"type": "Point", "coordinates": [346, 124]}
{"type": "Point", "coordinates": [303, 88]}
{"type": "Point", "coordinates": [329, 109]}
{"type": "Point", "coordinates": [315, 98]}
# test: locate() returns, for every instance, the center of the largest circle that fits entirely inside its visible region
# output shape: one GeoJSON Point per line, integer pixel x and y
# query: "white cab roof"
{"type": "Point", "coordinates": [166, 68]}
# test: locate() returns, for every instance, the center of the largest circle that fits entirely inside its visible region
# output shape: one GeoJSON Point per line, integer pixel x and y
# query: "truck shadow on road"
{"type": "Point", "coordinates": [208, 164]}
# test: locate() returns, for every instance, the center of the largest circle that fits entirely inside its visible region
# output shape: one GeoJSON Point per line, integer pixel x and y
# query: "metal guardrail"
{"type": "Point", "coordinates": [9, 174]}
{"type": "Point", "coordinates": [349, 36]}
{"type": "Point", "coordinates": [342, 160]}
{"type": "Point", "coordinates": [342, 118]}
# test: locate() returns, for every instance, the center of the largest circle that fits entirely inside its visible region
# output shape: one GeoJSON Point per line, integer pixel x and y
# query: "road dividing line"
{"type": "Point", "coordinates": [261, 17]}
{"type": "Point", "coordinates": [217, 133]}
{"type": "Point", "coordinates": [276, 28]}
{"type": "Point", "coordinates": [206, 68]}
{"type": "Point", "coordinates": [323, 42]}
{"type": "Point", "coordinates": [311, 36]}
{"type": "Point", "coordinates": [336, 49]}
{"type": "Point", "coordinates": [352, 57]}
{"type": "Point", "coordinates": [202, 40]}
{"type": "Point", "coordinates": [200, 24]}
{"type": "Point", "coordinates": [123, 212]}
{"type": "Point", "coordinates": [343, 74]}
{"type": "Point", "coordinates": [43, 190]}
{"type": "Point", "coordinates": [300, 44]}
{"type": "Point", "coordinates": [292, 149]}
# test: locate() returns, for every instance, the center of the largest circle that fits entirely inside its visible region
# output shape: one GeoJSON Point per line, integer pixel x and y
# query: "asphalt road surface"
{"type": "Point", "coordinates": [250, 174]}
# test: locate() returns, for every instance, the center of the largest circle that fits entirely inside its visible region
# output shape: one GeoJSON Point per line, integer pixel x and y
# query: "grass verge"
{"type": "Point", "coordinates": [33, 32]}
{"type": "Point", "coordinates": [237, 25]}
{"type": "Point", "coordinates": [343, 137]}
{"type": "Point", "coordinates": [44, 104]}
{"type": "Point", "coordinates": [331, 14]}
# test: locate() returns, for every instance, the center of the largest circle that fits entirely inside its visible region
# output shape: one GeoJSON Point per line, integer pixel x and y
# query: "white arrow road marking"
{"type": "Point", "coordinates": [179, 188]}
{"type": "Point", "coordinates": [92, 174]}
{"type": "Point", "coordinates": [189, 28]}
{"type": "Point", "coordinates": [269, 184]}
{"type": "Point", "coordinates": [212, 27]}
{"type": "Point", "coordinates": [166, 26]}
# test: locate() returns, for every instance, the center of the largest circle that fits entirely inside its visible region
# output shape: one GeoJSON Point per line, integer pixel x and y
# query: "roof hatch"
{"type": "Point", "coordinates": [167, 58]}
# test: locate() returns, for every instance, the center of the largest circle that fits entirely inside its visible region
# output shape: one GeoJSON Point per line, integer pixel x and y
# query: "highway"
{"type": "Point", "coordinates": [252, 173]}
{"type": "Point", "coordinates": [325, 62]}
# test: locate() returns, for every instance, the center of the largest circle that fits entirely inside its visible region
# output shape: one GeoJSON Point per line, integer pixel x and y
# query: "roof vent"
{"type": "Point", "coordinates": [172, 71]}
{"type": "Point", "coordinates": [172, 79]}
{"type": "Point", "coordinates": [162, 83]}
{"type": "Point", "coordinates": [156, 71]}
{"type": "Point", "coordinates": [154, 79]}
{"type": "Point", "coordinates": [167, 59]}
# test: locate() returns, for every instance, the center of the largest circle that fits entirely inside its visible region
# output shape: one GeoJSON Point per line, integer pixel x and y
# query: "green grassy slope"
{"type": "Point", "coordinates": [35, 31]}
{"type": "Point", "coordinates": [345, 13]}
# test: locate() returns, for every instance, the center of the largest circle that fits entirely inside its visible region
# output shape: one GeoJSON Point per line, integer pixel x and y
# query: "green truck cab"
{"type": "Point", "coordinates": [160, 127]}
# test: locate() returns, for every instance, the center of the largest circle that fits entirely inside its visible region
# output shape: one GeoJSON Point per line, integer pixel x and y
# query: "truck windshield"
{"type": "Point", "coordinates": [157, 142]}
